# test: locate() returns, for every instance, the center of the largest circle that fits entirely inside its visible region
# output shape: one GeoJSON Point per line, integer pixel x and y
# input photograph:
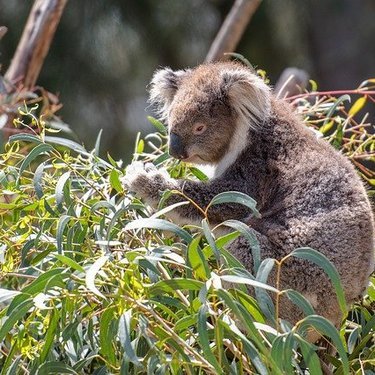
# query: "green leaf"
{"type": "Point", "coordinates": [245, 318]}
{"type": "Point", "coordinates": [281, 351]}
{"type": "Point", "coordinates": [250, 236]}
{"type": "Point", "coordinates": [103, 204]}
{"type": "Point", "coordinates": [33, 154]}
{"type": "Point", "coordinates": [59, 191]}
{"type": "Point", "coordinates": [326, 328]}
{"type": "Point", "coordinates": [264, 300]}
{"type": "Point", "coordinates": [140, 146]}
{"type": "Point", "coordinates": [277, 352]}
{"type": "Point", "coordinates": [50, 278]}
{"type": "Point", "coordinates": [175, 284]}
{"type": "Point", "coordinates": [14, 317]}
{"type": "Point", "coordinates": [97, 143]}
{"type": "Point", "coordinates": [161, 225]}
{"type": "Point", "coordinates": [247, 281]}
{"type": "Point", "coordinates": [338, 137]}
{"type": "Point", "coordinates": [323, 262]}
{"type": "Point", "coordinates": [114, 180]}
{"type": "Point", "coordinates": [198, 174]}
{"type": "Point", "coordinates": [25, 137]}
{"type": "Point", "coordinates": [158, 125]}
{"type": "Point", "coordinates": [185, 322]}
{"type": "Point", "coordinates": [74, 146]}
{"type": "Point", "coordinates": [50, 334]}
{"type": "Point", "coordinates": [314, 85]}
{"type": "Point", "coordinates": [235, 197]}
{"type": "Point", "coordinates": [204, 340]}
{"type": "Point", "coordinates": [310, 357]}
{"type": "Point", "coordinates": [169, 208]}
{"type": "Point", "coordinates": [124, 336]}
{"type": "Point", "coordinates": [69, 262]}
{"type": "Point", "coordinates": [53, 367]}
{"type": "Point", "coordinates": [210, 239]}
{"type": "Point", "coordinates": [92, 272]}
{"type": "Point", "coordinates": [299, 300]}
{"type": "Point", "coordinates": [106, 335]}
{"type": "Point", "coordinates": [63, 221]}
{"type": "Point", "coordinates": [197, 260]}
{"type": "Point", "coordinates": [357, 106]}
{"type": "Point", "coordinates": [13, 369]}
{"type": "Point", "coordinates": [334, 106]}
{"type": "Point", "coordinates": [37, 181]}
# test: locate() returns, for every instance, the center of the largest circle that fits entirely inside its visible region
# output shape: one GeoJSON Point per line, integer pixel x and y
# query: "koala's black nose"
{"type": "Point", "coordinates": [176, 146]}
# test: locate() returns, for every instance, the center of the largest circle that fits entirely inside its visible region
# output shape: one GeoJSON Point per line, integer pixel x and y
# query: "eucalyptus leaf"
{"type": "Point", "coordinates": [92, 272]}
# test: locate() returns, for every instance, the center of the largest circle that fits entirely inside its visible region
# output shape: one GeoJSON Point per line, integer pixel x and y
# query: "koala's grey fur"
{"type": "Point", "coordinates": [308, 194]}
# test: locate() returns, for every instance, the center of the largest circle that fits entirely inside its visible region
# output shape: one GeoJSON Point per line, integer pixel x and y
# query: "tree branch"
{"type": "Point", "coordinates": [292, 81]}
{"type": "Point", "coordinates": [232, 29]}
{"type": "Point", "coordinates": [35, 42]}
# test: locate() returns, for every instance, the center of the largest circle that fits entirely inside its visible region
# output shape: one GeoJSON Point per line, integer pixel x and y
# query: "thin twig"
{"type": "Point", "coordinates": [332, 93]}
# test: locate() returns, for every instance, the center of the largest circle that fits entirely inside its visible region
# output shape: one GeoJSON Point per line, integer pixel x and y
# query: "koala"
{"type": "Point", "coordinates": [309, 195]}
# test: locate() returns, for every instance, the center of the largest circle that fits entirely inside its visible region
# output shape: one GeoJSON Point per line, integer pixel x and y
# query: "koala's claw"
{"type": "Point", "coordinates": [146, 181]}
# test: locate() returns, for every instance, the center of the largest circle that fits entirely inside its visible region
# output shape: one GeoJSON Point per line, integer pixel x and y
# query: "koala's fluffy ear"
{"type": "Point", "coordinates": [248, 95]}
{"type": "Point", "coordinates": [163, 87]}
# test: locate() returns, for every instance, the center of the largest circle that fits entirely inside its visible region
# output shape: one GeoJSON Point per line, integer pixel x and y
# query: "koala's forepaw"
{"type": "Point", "coordinates": [146, 181]}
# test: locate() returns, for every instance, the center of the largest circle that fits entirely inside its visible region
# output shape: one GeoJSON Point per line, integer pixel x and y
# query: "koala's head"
{"type": "Point", "coordinates": [209, 109]}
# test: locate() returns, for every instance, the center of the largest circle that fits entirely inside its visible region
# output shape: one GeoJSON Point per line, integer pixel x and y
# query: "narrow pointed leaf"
{"type": "Point", "coordinates": [92, 272]}
{"type": "Point", "coordinates": [322, 261]}
{"type": "Point", "coordinates": [204, 340]}
{"type": "Point", "coordinates": [235, 197]}
{"type": "Point", "coordinates": [161, 225]}
{"type": "Point", "coordinates": [357, 106]}
{"type": "Point", "coordinates": [176, 284]}
{"type": "Point", "coordinates": [38, 150]}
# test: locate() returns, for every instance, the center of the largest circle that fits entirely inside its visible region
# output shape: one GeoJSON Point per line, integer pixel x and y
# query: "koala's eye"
{"type": "Point", "coordinates": [199, 128]}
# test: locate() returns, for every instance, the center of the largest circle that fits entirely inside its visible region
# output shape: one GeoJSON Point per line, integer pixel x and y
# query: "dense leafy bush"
{"type": "Point", "coordinates": [93, 282]}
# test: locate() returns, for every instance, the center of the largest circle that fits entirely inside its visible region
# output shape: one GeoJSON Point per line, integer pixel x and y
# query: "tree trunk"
{"type": "Point", "coordinates": [34, 44]}
{"type": "Point", "coordinates": [232, 29]}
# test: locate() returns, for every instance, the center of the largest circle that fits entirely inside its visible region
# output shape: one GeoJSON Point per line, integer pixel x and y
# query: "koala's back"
{"type": "Point", "coordinates": [311, 196]}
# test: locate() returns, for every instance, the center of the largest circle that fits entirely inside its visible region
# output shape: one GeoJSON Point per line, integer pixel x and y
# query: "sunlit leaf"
{"type": "Point", "coordinates": [176, 284]}
{"type": "Point", "coordinates": [357, 106]}
{"type": "Point", "coordinates": [159, 224]}
{"type": "Point", "coordinates": [114, 180]}
{"type": "Point", "coordinates": [92, 272]}
{"type": "Point", "coordinates": [124, 332]}
{"type": "Point", "coordinates": [74, 146]}
{"type": "Point", "coordinates": [6, 295]}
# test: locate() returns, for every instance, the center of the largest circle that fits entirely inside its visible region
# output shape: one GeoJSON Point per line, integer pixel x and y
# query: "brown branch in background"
{"type": "Point", "coordinates": [34, 44]}
{"type": "Point", "coordinates": [3, 30]}
{"type": "Point", "coordinates": [232, 29]}
{"type": "Point", "coordinates": [292, 81]}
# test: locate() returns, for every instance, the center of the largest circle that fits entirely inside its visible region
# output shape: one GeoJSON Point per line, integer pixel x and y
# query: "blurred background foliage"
{"type": "Point", "coordinates": [104, 52]}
